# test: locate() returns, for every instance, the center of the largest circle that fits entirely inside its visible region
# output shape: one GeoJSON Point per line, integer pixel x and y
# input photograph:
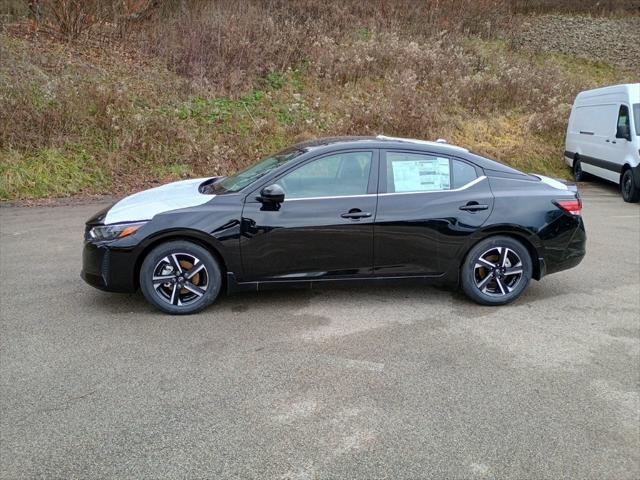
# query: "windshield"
{"type": "Point", "coordinates": [636, 117]}
{"type": "Point", "coordinates": [239, 180]}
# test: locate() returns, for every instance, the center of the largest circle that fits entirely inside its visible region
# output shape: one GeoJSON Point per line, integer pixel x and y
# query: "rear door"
{"type": "Point", "coordinates": [427, 206]}
{"type": "Point", "coordinates": [324, 227]}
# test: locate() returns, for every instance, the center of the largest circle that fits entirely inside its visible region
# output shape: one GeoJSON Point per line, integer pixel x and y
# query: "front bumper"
{"type": "Point", "coordinates": [107, 268]}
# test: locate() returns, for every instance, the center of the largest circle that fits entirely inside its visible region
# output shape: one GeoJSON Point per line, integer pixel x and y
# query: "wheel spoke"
{"type": "Point", "coordinates": [484, 263]}
{"type": "Point", "coordinates": [195, 289]}
{"type": "Point", "coordinates": [175, 263]}
{"type": "Point", "coordinates": [175, 295]}
{"type": "Point", "coordinates": [513, 271]}
{"type": "Point", "coordinates": [163, 278]}
{"type": "Point", "coordinates": [484, 281]}
{"type": "Point", "coordinates": [504, 289]}
{"type": "Point", "coordinates": [195, 269]}
{"type": "Point", "coordinates": [504, 253]}
{"type": "Point", "coordinates": [157, 285]}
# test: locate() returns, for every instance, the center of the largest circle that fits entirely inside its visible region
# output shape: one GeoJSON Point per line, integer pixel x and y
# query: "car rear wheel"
{"type": "Point", "coordinates": [630, 191]}
{"type": "Point", "coordinates": [496, 271]}
{"type": "Point", "coordinates": [180, 278]}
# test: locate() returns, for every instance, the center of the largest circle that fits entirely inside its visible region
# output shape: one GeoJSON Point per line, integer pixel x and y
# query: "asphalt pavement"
{"type": "Point", "coordinates": [356, 382]}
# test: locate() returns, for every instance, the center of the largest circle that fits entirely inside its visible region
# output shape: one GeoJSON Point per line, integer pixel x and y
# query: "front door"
{"type": "Point", "coordinates": [324, 227]}
{"type": "Point", "coordinates": [427, 206]}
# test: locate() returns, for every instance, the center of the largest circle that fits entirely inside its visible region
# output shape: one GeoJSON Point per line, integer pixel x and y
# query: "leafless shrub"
{"type": "Point", "coordinates": [230, 43]}
{"type": "Point", "coordinates": [576, 6]}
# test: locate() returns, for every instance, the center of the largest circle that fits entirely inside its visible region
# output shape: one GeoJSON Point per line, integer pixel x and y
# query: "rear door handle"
{"type": "Point", "coordinates": [473, 207]}
{"type": "Point", "coordinates": [355, 215]}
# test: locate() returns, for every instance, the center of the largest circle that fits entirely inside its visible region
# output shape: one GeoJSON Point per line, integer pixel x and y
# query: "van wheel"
{"type": "Point", "coordinates": [578, 174]}
{"type": "Point", "coordinates": [630, 191]}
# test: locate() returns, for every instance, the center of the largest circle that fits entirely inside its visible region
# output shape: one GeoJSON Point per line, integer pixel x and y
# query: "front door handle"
{"type": "Point", "coordinates": [355, 214]}
{"type": "Point", "coordinates": [473, 207]}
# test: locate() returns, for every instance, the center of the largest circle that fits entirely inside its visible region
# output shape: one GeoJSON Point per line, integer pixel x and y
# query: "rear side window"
{"type": "Point", "coordinates": [415, 172]}
{"type": "Point", "coordinates": [636, 117]}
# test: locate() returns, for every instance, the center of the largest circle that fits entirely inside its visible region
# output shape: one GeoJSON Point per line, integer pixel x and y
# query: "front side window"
{"type": "Point", "coordinates": [623, 129]}
{"type": "Point", "coordinates": [636, 117]}
{"type": "Point", "coordinates": [341, 174]}
{"type": "Point", "coordinates": [414, 172]}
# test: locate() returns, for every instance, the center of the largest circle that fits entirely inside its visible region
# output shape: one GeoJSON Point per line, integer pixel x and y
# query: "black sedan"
{"type": "Point", "coordinates": [339, 210]}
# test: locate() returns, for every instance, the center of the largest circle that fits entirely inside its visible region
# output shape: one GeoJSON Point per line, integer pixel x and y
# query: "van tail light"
{"type": "Point", "coordinates": [574, 207]}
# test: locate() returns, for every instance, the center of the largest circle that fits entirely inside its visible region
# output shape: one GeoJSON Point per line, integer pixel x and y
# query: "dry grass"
{"type": "Point", "coordinates": [204, 88]}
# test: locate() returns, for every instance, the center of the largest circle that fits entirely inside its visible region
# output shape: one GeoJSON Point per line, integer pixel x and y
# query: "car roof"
{"type": "Point", "coordinates": [381, 141]}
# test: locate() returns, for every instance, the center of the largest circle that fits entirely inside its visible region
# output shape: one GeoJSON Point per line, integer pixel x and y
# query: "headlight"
{"type": "Point", "coordinates": [111, 232]}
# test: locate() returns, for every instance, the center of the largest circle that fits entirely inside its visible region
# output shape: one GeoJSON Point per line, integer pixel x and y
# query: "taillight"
{"type": "Point", "coordinates": [574, 207]}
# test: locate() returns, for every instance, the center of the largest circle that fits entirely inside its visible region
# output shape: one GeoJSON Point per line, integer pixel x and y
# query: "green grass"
{"type": "Point", "coordinates": [49, 172]}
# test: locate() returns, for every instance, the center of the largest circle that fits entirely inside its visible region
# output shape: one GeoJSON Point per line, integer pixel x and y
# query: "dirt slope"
{"type": "Point", "coordinates": [610, 39]}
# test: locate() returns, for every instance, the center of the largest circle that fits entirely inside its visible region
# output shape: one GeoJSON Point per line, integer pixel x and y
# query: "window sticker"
{"type": "Point", "coordinates": [423, 175]}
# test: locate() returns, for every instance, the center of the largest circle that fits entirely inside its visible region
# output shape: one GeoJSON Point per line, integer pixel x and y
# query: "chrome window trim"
{"type": "Point", "coordinates": [324, 198]}
{"type": "Point", "coordinates": [459, 189]}
{"type": "Point", "coordinates": [464, 187]}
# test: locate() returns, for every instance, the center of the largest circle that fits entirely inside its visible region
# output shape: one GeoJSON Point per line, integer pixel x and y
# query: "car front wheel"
{"type": "Point", "coordinates": [496, 271]}
{"type": "Point", "coordinates": [180, 277]}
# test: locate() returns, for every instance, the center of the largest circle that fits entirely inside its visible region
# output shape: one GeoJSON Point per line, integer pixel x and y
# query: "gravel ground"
{"type": "Point", "coordinates": [615, 40]}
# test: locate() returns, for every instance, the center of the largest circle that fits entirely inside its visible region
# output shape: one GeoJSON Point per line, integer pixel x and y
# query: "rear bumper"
{"type": "Point", "coordinates": [570, 254]}
{"type": "Point", "coordinates": [108, 269]}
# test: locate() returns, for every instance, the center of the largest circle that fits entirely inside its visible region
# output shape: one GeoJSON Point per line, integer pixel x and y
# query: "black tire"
{"type": "Point", "coordinates": [193, 277]}
{"type": "Point", "coordinates": [578, 174]}
{"type": "Point", "coordinates": [630, 191]}
{"type": "Point", "coordinates": [495, 285]}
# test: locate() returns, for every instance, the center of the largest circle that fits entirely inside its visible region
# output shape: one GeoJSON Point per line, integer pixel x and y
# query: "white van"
{"type": "Point", "coordinates": [603, 137]}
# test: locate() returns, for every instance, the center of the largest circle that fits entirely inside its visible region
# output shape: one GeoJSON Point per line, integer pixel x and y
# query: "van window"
{"type": "Point", "coordinates": [636, 117]}
{"type": "Point", "coordinates": [623, 116]}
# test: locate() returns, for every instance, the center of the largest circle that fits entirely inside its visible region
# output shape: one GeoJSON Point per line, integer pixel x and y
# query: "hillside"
{"type": "Point", "coordinates": [204, 88]}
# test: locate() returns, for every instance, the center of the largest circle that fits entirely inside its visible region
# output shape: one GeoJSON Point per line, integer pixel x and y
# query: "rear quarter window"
{"type": "Point", "coordinates": [462, 174]}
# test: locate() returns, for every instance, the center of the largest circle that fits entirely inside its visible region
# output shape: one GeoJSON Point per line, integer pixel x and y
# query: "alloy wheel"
{"type": "Point", "coordinates": [180, 279]}
{"type": "Point", "coordinates": [498, 271]}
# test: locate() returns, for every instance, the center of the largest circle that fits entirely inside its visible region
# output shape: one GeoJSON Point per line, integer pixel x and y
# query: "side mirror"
{"type": "Point", "coordinates": [623, 132]}
{"type": "Point", "coordinates": [272, 194]}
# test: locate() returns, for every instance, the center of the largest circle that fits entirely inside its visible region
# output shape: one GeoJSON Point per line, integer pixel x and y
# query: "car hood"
{"type": "Point", "coordinates": [148, 203]}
